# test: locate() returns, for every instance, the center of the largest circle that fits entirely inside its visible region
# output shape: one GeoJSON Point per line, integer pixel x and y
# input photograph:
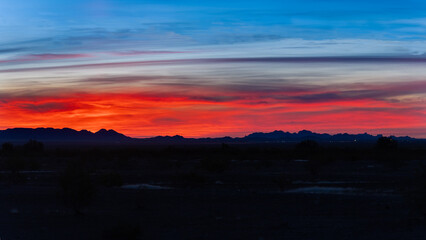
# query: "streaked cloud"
{"type": "Point", "coordinates": [44, 56]}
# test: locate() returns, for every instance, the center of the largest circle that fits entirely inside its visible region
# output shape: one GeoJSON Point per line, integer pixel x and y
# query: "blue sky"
{"type": "Point", "coordinates": [210, 22]}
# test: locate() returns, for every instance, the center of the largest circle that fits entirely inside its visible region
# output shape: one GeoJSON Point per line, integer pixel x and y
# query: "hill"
{"type": "Point", "coordinates": [103, 135]}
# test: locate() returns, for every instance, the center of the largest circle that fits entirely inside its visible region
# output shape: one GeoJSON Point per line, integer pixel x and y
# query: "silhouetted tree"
{"type": "Point", "coordinates": [33, 146]}
{"type": "Point", "coordinates": [307, 149]}
{"type": "Point", "coordinates": [387, 152]}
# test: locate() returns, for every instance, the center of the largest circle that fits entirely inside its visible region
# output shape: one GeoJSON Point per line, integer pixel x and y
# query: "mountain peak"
{"type": "Point", "coordinates": [109, 134]}
{"type": "Point", "coordinates": [305, 132]}
{"type": "Point", "coordinates": [103, 131]}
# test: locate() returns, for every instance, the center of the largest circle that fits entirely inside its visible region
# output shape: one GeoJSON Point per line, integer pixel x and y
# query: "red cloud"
{"type": "Point", "coordinates": [139, 114]}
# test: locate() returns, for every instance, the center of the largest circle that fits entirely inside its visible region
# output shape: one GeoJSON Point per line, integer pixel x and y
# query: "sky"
{"type": "Point", "coordinates": [214, 68]}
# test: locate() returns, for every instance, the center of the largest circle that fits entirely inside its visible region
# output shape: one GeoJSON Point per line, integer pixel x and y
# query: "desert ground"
{"type": "Point", "coordinates": [217, 191]}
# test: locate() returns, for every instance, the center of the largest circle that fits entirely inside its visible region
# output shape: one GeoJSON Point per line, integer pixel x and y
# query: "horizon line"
{"type": "Point", "coordinates": [153, 136]}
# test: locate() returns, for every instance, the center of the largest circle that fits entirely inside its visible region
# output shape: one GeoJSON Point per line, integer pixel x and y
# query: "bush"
{"type": "Point", "coordinates": [76, 188]}
{"type": "Point", "coordinates": [193, 179]}
{"type": "Point", "coordinates": [215, 164]}
{"type": "Point", "coordinates": [415, 194]}
{"type": "Point", "coordinates": [307, 149]}
{"type": "Point", "coordinates": [386, 143]}
{"type": "Point", "coordinates": [34, 146]}
{"type": "Point", "coordinates": [124, 231]}
{"type": "Point", "coordinates": [111, 179]}
{"type": "Point", "coordinates": [15, 163]}
{"type": "Point", "coordinates": [282, 181]}
{"type": "Point", "coordinates": [7, 148]}
{"type": "Point", "coordinates": [387, 152]}
{"type": "Point", "coordinates": [308, 146]}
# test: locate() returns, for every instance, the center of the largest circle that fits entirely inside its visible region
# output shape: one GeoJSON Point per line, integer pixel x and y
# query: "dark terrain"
{"type": "Point", "coordinates": [238, 190]}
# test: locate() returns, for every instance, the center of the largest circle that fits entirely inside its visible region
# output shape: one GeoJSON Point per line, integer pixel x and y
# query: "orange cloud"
{"type": "Point", "coordinates": [238, 114]}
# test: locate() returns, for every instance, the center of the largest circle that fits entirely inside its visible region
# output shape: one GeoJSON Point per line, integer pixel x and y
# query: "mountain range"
{"type": "Point", "coordinates": [62, 135]}
{"type": "Point", "coordinates": [103, 135]}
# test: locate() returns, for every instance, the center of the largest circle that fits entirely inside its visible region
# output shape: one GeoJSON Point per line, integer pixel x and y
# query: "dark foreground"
{"type": "Point", "coordinates": [213, 192]}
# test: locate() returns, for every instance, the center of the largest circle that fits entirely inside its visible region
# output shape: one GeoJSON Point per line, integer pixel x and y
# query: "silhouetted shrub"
{"type": "Point", "coordinates": [282, 181]}
{"type": "Point", "coordinates": [388, 154]}
{"type": "Point", "coordinates": [124, 231]}
{"type": "Point", "coordinates": [264, 163]}
{"type": "Point", "coordinates": [76, 187]}
{"type": "Point", "coordinates": [14, 163]}
{"type": "Point", "coordinates": [225, 147]}
{"type": "Point", "coordinates": [314, 166]}
{"type": "Point", "coordinates": [386, 143]}
{"type": "Point", "coordinates": [33, 164]}
{"type": "Point", "coordinates": [308, 146]}
{"type": "Point", "coordinates": [193, 179]}
{"type": "Point", "coordinates": [111, 179]}
{"type": "Point", "coordinates": [162, 163]}
{"type": "Point", "coordinates": [415, 193]}
{"type": "Point", "coordinates": [7, 148]}
{"type": "Point", "coordinates": [215, 164]}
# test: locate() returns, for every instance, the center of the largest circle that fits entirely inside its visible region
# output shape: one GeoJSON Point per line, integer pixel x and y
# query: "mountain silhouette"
{"type": "Point", "coordinates": [62, 135]}
{"type": "Point", "coordinates": [103, 135]}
